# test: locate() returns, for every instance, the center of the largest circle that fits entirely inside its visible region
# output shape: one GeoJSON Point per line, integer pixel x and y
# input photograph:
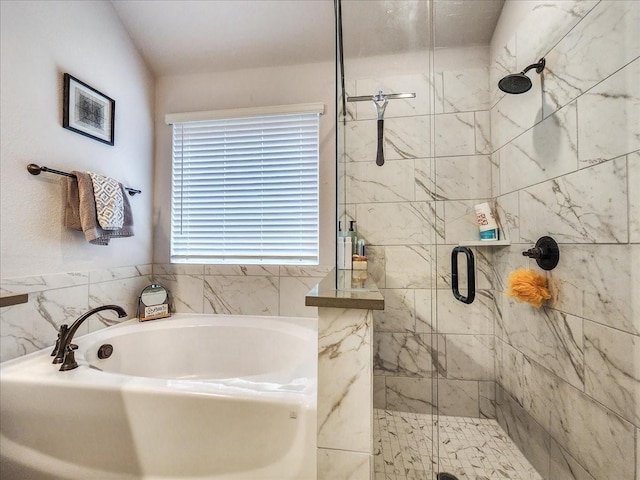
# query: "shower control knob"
{"type": "Point", "coordinates": [546, 253]}
{"type": "Point", "coordinates": [534, 253]}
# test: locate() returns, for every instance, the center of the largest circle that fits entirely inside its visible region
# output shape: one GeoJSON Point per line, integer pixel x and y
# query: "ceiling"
{"type": "Point", "coordinates": [195, 36]}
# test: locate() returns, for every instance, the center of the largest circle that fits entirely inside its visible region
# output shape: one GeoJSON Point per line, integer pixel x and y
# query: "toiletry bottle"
{"type": "Point", "coordinates": [486, 222]}
{"type": "Point", "coordinates": [354, 236]}
{"type": "Point", "coordinates": [340, 260]}
{"type": "Point", "coordinates": [348, 253]}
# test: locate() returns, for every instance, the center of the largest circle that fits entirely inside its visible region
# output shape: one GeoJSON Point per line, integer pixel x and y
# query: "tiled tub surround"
{"type": "Point", "coordinates": [345, 382]}
{"type": "Point", "coordinates": [61, 298]}
{"type": "Point", "coordinates": [345, 409]}
{"type": "Point", "coordinates": [240, 289]}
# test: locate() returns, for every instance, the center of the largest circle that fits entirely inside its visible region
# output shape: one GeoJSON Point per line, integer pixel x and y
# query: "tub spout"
{"type": "Point", "coordinates": [64, 351]}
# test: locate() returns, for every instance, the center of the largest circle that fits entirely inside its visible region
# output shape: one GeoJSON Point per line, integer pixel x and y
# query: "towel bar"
{"type": "Point", "coordinates": [35, 170]}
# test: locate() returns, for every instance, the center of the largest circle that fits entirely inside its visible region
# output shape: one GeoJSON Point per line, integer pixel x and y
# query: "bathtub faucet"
{"type": "Point", "coordinates": [64, 351]}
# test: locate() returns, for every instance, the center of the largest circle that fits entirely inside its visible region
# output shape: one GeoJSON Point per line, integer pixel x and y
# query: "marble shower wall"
{"type": "Point", "coordinates": [567, 164]}
{"type": "Point", "coordinates": [61, 298]}
{"type": "Point", "coordinates": [402, 215]}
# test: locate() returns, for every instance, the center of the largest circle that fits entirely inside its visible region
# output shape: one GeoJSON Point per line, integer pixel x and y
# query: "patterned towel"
{"type": "Point", "coordinates": [109, 202]}
{"type": "Point", "coordinates": [80, 212]}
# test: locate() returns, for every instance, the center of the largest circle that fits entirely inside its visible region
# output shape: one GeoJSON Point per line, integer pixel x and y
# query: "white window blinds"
{"type": "Point", "coordinates": [245, 190]}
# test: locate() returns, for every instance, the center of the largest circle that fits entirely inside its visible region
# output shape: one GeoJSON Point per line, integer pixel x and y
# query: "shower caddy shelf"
{"type": "Point", "coordinates": [484, 243]}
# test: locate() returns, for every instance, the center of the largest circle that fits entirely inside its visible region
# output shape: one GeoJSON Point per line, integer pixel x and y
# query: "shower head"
{"type": "Point", "coordinates": [519, 82]}
{"type": "Point", "coordinates": [516, 83]}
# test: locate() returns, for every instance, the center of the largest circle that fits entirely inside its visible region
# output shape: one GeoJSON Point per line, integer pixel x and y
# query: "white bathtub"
{"type": "Point", "coordinates": [190, 397]}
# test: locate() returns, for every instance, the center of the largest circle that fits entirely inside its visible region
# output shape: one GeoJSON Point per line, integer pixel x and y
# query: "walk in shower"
{"type": "Point", "coordinates": [496, 388]}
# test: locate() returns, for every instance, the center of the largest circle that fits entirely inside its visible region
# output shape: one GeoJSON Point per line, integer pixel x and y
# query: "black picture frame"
{"type": "Point", "coordinates": [87, 111]}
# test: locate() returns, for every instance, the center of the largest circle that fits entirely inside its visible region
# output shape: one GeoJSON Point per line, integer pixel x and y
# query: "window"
{"type": "Point", "coordinates": [245, 186]}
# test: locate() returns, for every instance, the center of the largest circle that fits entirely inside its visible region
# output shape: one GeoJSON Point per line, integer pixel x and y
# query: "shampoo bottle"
{"type": "Point", "coordinates": [486, 222]}
{"type": "Point", "coordinates": [354, 236]}
{"type": "Point", "coordinates": [348, 253]}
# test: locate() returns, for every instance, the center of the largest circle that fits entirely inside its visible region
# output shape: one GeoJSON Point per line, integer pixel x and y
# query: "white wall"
{"type": "Point", "coordinates": [40, 41]}
{"type": "Point", "coordinates": [239, 89]}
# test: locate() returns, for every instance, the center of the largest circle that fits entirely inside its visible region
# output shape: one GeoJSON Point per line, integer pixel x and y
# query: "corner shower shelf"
{"type": "Point", "coordinates": [484, 243]}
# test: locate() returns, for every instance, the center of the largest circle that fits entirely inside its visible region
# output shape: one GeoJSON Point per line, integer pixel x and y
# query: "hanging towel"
{"type": "Point", "coordinates": [80, 211]}
{"type": "Point", "coordinates": [109, 203]}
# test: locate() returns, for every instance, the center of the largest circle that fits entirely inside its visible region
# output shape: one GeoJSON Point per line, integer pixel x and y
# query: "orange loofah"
{"type": "Point", "coordinates": [528, 286]}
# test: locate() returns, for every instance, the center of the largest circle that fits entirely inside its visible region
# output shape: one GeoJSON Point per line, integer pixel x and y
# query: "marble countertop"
{"type": "Point", "coordinates": [347, 289]}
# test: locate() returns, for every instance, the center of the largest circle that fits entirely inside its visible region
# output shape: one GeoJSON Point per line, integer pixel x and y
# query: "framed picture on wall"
{"type": "Point", "coordinates": [87, 111]}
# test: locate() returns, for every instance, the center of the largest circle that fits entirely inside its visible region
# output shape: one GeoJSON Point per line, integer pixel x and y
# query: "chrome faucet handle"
{"type": "Point", "coordinates": [69, 362]}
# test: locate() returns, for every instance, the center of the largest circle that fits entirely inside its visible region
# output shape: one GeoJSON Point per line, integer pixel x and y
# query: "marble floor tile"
{"type": "Point", "coordinates": [470, 448]}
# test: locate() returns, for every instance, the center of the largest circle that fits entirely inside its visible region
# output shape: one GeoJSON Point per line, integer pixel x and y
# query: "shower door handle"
{"type": "Point", "coordinates": [380, 154]}
{"type": "Point", "coordinates": [471, 276]}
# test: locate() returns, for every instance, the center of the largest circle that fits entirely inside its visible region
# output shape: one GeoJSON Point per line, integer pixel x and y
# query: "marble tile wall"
{"type": "Point", "coordinates": [345, 410]}
{"type": "Point", "coordinates": [402, 215]}
{"type": "Point", "coordinates": [566, 165]}
{"type": "Point", "coordinates": [240, 289]}
{"type": "Point", "coordinates": [61, 298]}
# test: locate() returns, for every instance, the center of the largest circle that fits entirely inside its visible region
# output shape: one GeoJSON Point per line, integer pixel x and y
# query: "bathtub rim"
{"type": "Point", "coordinates": [37, 367]}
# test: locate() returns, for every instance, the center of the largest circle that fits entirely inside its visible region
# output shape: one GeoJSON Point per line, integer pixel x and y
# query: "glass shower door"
{"type": "Point", "coordinates": [386, 185]}
{"type": "Point", "coordinates": [481, 389]}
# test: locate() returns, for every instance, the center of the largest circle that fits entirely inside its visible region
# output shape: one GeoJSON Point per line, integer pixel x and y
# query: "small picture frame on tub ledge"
{"type": "Point", "coordinates": [87, 111]}
{"type": "Point", "coordinates": [154, 302]}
